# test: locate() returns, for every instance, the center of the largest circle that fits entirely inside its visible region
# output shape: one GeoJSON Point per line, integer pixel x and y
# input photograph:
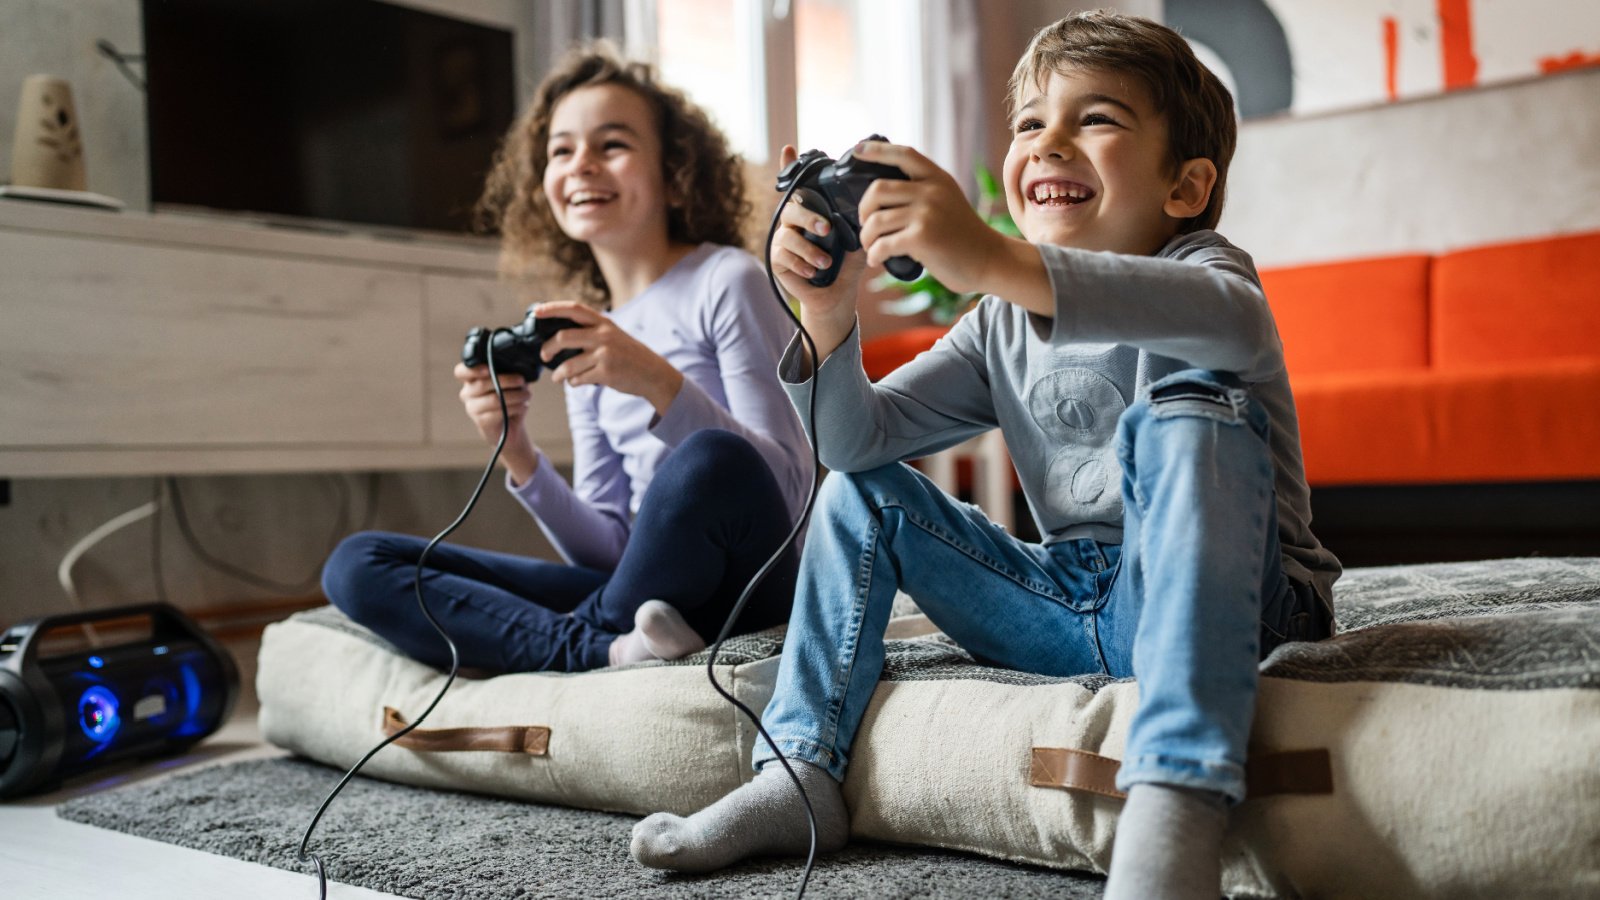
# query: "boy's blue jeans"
{"type": "Point", "coordinates": [1190, 601]}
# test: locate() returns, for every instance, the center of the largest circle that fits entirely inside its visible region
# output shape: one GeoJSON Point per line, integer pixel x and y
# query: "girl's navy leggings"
{"type": "Point", "coordinates": [712, 516]}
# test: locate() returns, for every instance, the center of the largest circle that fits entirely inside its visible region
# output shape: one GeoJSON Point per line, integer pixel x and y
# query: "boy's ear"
{"type": "Point", "coordinates": [1192, 190]}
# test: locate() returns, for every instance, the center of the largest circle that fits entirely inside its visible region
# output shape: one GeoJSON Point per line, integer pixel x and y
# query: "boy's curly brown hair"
{"type": "Point", "coordinates": [703, 177]}
{"type": "Point", "coordinates": [1198, 108]}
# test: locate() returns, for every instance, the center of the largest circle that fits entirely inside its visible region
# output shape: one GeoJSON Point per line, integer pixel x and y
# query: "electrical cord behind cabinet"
{"type": "Point", "coordinates": [800, 521]}
{"type": "Point", "coordinates": [455, 659]}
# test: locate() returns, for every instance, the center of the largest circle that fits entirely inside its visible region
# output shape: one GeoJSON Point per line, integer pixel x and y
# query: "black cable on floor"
{"type": "Point", "coordinates": [455, 658]}
{"type": "Point", "coordinates": [799, 525]}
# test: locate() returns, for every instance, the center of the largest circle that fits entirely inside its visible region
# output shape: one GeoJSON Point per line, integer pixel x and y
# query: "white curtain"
{"type": "Point", "coordinates": [559, 25]}
{"type": "Point", "coordinates": [952, 88]}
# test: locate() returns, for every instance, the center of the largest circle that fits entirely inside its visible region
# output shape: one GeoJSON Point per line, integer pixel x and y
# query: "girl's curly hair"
{"type": "Point", "coordinates": [703, 177]}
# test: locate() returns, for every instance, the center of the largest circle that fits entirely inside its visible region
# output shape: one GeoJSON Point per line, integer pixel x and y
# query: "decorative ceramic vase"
{"type": "Point", "coordinates": [47, 151]}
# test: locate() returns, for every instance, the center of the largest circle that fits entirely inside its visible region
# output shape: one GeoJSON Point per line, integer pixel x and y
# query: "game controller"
{"type": "Point", "coordinates": [516, 349]}
{"type": "Point", "coordinates": [835, 189]}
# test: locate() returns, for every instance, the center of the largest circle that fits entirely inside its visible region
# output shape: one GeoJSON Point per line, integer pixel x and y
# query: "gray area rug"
{"type": "Point", "coordinates": [1522, 624]}
{"type": "Point", "coordinates": [439, 845]}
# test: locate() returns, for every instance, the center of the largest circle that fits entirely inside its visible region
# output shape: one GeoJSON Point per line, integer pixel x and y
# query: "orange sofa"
{"type": "Point", "coordinates": [1477, 365]}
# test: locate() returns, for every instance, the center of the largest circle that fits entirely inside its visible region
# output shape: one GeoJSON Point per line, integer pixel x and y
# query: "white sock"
{"type": "Point", "coordinates": [659, 632]}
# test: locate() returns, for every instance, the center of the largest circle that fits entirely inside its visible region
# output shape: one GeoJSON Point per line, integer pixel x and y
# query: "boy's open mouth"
{"type": "Point", "coordinates": [1058, 192]}
{"type": "Point", "coordinates": [589, 198]}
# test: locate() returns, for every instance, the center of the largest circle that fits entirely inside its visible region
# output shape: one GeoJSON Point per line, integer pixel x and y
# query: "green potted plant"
{"type": "Point", "coordinates": [927, 293]}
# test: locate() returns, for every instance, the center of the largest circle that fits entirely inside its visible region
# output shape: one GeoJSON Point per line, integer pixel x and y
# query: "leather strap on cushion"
{"type": "Point", "coordinates": [534, 740]}
{"type": "Point", "coordinates": [1077, 770]}
{"type": "Point", "coordinates": [1287, 772]}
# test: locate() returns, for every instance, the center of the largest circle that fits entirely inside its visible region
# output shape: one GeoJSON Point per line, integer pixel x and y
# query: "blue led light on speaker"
{"type": "Point", "coordinates": [192, 723]}
{"type": "Point", "coordinates": [97, 713]}
{"type": "Point", "coordinates": [97, 662]}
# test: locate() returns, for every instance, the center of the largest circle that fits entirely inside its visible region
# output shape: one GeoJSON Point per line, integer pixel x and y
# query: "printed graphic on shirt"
{"type": "Point", "coordinates": [1077, 411]}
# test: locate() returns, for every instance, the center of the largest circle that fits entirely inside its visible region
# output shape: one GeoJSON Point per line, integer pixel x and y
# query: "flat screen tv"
{"type": "Point", "coordinates": [343, 110]}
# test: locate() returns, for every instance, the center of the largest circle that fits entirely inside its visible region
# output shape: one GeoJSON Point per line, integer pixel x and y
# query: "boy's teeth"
{"type": "Point", "coordinates": [1046, 192]}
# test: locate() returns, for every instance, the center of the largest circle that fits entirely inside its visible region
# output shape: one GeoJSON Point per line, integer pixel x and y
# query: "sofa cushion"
{"type": "Point", "coordinates": [1523, 302]}
{"type": "Point", "coordinates": [1351, 316]}
{"type": "Point", "coordinates": [1502, 423]}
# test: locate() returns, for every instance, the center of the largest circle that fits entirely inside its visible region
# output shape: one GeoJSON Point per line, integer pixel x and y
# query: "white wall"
{"type": "Point", "coordinates": [1472, 167]}
{"type": "Point", "coordinates": [1339, 53]}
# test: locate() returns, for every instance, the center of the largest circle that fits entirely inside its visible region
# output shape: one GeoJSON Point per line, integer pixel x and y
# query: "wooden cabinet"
{"type": "Point", "coordinates": [139, 344]}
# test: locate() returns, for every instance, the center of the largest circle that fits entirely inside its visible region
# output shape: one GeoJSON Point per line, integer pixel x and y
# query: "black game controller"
{"type": "Point", "coordinates": [516, 349]}
{"type": "Point", "coordinates": [835, 189]}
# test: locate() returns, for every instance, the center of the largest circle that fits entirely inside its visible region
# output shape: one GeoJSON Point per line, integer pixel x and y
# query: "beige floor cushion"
{"type": "Point", "coordinates": [1459, 712]}
{"type": "Point", "coordinates": [632, 739]}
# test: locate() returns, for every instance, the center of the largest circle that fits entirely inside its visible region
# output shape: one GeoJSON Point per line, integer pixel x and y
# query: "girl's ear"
{"type": "Point", "coordinates": [1192, 190]}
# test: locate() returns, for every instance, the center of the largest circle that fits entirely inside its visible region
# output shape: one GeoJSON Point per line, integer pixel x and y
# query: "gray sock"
{"type": "Point", "coordinates": [1168, 845]}
{"type": "Point", "coordinates": [762, 818]}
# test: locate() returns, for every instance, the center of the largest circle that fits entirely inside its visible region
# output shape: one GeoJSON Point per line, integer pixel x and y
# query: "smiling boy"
{"type": "Point", "coordinates": [1128, 356]}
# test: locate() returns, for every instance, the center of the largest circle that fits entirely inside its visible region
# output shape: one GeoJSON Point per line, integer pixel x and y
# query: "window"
{"type": "Point", "coordinates": [815, 73]}
{"type": "Point", "coordinates": [713, 51]}
{"type": "Point", "coordinates": [858, 72]}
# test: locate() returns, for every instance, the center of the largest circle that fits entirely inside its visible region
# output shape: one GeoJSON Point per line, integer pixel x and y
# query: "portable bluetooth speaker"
{"type": "Point", "coordinates": [65, 714]}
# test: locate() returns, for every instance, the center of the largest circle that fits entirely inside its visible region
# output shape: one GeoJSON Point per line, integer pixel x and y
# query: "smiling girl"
{"type": "Point", "coordinates": [689, 461]}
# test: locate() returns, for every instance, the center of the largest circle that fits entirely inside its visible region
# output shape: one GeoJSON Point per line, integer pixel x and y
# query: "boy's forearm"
{"type": "Point", "coordinates": [1016, 274]}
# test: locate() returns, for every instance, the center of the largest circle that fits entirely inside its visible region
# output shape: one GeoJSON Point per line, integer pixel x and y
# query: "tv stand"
{"type": "Point", "coordinates": [138, 344]}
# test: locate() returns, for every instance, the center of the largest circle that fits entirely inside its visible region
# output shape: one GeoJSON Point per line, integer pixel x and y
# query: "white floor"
{"type": "Point", "coordinates": [42, 856]}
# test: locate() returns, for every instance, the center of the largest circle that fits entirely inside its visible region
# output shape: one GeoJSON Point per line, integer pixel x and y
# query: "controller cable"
{"type": "Point", "coordinates": [800, 521]}
{"type": "Point", "coordinates": [455, 659]}
{"type": "Point", "coordinates": [305, 854]}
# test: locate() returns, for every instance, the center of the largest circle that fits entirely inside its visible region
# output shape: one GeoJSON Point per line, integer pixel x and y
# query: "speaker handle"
{"type": "Point", "coordinates": [166, 623]}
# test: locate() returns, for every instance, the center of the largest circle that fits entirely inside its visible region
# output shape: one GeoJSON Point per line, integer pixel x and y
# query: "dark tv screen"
{"type": "Point", "coordinates": [344, 110]}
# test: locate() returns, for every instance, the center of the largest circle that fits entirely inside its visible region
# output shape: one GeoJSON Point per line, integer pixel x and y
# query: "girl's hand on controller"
{"type": "Point", "coordinates": [477, 394]}
{"type": "Point", "coordinates": [829, 313]}
{"type": "Point", "coordinates": [609, 357]}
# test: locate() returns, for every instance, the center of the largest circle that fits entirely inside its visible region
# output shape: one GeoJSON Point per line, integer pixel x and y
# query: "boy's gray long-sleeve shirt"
{"type": "Point", "coordinates": [1056, 387]}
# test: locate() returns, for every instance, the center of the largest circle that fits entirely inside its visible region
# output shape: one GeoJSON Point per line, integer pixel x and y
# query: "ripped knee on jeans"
{"type": "Point", "coordinates": [1195, 396]}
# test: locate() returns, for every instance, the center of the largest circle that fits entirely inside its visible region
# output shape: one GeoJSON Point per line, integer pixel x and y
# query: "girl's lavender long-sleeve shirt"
{"type": "Point", "coordinates": [714, 318]}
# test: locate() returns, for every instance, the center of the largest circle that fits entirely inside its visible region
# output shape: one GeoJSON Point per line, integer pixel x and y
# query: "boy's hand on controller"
{"type": "Point", "coordinates": [483, 407]}
{"type": "Point", "coordinates": [927, 218]}
{"type": "Point", "coordinates": [829, 312]}
{"type": "Point", "coordinates": [609, 357]}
